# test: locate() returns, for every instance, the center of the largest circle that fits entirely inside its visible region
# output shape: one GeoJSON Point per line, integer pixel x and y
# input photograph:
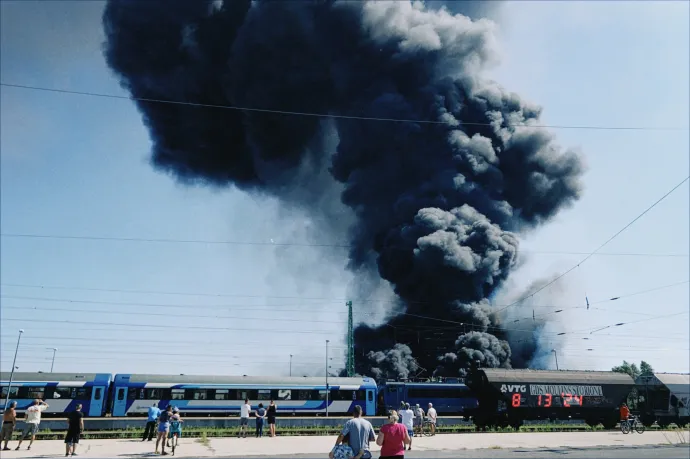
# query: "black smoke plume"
{"type": "Point", "coordinates": [435, 202]}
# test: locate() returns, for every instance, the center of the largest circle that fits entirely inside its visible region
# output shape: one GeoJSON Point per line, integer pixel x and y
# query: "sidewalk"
{"type": "Point", "coordinates": [235, 447]}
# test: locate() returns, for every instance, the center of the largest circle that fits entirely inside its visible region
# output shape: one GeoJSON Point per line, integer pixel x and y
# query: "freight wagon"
{"type": "Point", "coordinates": [509, 397]}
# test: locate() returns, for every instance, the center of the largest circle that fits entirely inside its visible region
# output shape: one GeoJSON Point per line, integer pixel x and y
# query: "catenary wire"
{"type": "Point", "coordinates": [269, 307]}
{"type": "Point", "coordinates": [598, 248]}
{"type": "Point", "coordinates": [328, 115]}
{"type": "Point", "coordinates": [300, 244]}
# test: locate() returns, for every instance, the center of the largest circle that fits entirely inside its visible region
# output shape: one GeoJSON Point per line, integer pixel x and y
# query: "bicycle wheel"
{"type": "Point", "coordinates": [427, 429]}
{"type": "Point", "coordinates": [625, 427]}
{"type": "Point", "coordinates": [639, 427]}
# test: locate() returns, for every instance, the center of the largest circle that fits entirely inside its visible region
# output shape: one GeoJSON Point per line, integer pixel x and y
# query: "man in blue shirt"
{"type": "Point", "coordinates": [154, 412]}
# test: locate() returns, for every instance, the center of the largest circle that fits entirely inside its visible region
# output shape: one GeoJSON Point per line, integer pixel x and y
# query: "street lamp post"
{"type": "Point", "coordinates": [556, 356]}
{"type": "Point", "coordinates": [52, 365]}
{"type": "Point", "coordinates": [14, 363]}
{"type": "Point", "coordinates": [327, 341]}
{"type": "Point", "coordinates": [290, 364]}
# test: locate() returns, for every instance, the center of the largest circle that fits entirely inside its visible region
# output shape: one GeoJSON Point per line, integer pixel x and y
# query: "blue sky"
{"type": "Point", "coordinates": [78, 166]}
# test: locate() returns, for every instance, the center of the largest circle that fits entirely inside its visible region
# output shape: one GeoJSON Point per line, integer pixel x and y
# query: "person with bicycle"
{"type": "Point", "coordinates": [625, 414]}
{"type": "Point", "coordinates": [431, 415]}
{"type": "Point", "coordinates": [175, 429]}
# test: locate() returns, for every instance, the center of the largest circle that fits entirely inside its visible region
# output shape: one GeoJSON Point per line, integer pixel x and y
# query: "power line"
{"type": "Point", "coordinates": [302, 244]}
{"type": "Point", "coordinates": [173, 306]}
{"type": "Point", "coordinates": [330, 115]}
{"type": "Point", "coordinates": [600, 247]}
{"type": "Point", "coordinates": [167, 327]}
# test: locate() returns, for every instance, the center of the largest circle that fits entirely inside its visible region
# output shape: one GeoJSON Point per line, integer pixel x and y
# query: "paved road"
{"type": "Point", "coordinates": [611, 452]}
{"type": "Point", "coordinates": [571, 445]}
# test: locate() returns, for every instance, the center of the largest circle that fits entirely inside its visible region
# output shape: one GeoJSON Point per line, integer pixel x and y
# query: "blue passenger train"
{"type": "Point", "coordinates": [447, 398]}
{"type": "Point", "coordinates": [62, 391]}
{"type": "Point", "coordinates": [205, 395]}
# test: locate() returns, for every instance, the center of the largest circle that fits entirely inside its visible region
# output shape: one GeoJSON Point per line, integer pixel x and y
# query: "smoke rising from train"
{"type": "Point", "coordinates": [433, 208]}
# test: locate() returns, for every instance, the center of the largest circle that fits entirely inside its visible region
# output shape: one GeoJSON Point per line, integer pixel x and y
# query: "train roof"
{"type": "Point", "coordinates": [55, 377]}
{"type": "Point", "coordinates": [677, 383]}
{"type": "Point", "coordinates": [426, 384]}
{"type": "Point", "coordinates": [249, 380]}
{"type": "Point", "coordinates": [498, 375]}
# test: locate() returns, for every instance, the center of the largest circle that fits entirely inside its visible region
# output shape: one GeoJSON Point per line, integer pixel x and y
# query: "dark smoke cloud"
{"type": "Point", "coordinates": [433, 208]}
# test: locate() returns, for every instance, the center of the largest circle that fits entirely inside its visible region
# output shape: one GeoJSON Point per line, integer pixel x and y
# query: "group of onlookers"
{"type": "Point", "coordinates": [32, 419]}
{"type": "Point", "coordinates": [394, 437]}
{"type": "Point", "coordinates": [169, 424]}
{"type": "Point", "coordinates": [262, 415]}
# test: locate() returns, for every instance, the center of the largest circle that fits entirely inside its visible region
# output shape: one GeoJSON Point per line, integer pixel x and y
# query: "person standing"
{"type": "Point", "coordinates": [245, 409]}
{"type": "Point", "coordinates": [392, 438]}
{"type": "Point", "coordinates": [408, 422]}
{"type": "Point", "coordinates": [163, 427]}
{"type": "Point", "coordinates": [271, 416]}
{"type": "Point", "coordinates": [418, 418]}
{"type": "Point", "coordinates": [360, 432]}
{"type": "Point", "coordinates": [431, 413]}
{"type": "Point", "coordinates": [32, 419]}
{"type": "Point", "coordinates": [9, 421]}
{"type": "Point", "coordinates": [74, 429]}
{"type": "Point", "coordinates": [260, 415]}
{"type": "Point", "coordinates": [150, 429]}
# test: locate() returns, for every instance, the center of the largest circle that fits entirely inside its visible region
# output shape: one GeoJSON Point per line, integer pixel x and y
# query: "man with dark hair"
{"type": "Point", "coordinates": [74, 430]}
{"type": "Point", "coordinates": [360, 432]}
{"type": "Point", "coordinates": [9, 421]}
{"type": "Point", "coordinates": [150, 429]}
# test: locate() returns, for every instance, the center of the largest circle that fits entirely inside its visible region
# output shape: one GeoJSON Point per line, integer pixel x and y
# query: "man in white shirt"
{"type": "Point", "coordinates": [408, 422]}
{"type": "Point", "coordinates": [431, 414]}
{"type": "Point", "coordinates": [32, 419]}
{"type": "Point", "coordinates": [245, 409]}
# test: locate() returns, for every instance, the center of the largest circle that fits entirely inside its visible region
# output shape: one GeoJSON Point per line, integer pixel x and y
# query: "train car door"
{"type": "Point", "coordinates": [371, 402]}
{"type": "Point", "coordinates": [120, 401]}
{"type": "Point", "coordinates": [97, 400]}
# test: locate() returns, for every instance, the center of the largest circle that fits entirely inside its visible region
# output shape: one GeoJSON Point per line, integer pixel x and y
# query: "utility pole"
{"type": "Point", "coordinates": [327, 341]}
{"type": "Point", "coordinates": [14, 363]}
{"type": "Point", "coordinates": [350, 342]}
{"type": "Point", "coordinates": [555, 355]}
{"type": "Point", "coordinates": [290, 364]}
{"type": "Point", "coordinates": [52, 365]}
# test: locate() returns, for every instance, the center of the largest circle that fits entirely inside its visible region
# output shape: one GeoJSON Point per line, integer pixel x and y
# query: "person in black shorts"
{"type": "Point", "coordinates": [74, 430]}
{"type": "Point", "coordinates": [271, 415]}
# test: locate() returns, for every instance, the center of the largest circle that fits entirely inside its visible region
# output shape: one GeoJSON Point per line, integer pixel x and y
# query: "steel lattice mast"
{"type": "Point", "coordinates": [350, 342]}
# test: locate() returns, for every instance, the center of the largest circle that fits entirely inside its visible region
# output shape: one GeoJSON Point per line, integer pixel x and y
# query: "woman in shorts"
{"type": "Point", "coordinates": [163, 428]}
{"type": "Point", "coordinates": [271, 416]}
{"type": "Point", "coordinates": [175, 429]}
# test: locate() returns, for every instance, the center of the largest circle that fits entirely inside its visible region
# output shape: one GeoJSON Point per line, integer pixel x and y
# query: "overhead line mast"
{"type": "Point", "coordinates": [350, 342]}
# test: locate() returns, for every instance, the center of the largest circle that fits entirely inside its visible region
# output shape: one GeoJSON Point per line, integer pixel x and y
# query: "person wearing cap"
{"type": "Point", "coordinates": [431, 413]}
{"type": "Point", "coordinates": [175, 427]}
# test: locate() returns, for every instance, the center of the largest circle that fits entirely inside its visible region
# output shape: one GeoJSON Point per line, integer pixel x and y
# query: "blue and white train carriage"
{"type": "Point", "coordinates": [62, 391]}
{"type": "Point", "coordinates": [213, 395]}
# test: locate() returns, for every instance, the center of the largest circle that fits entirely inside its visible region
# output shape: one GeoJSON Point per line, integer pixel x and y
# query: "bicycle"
{"type": "Point", "coordinates": [426, 428]}
{"type": "Point", "coordinates": [632, 423]}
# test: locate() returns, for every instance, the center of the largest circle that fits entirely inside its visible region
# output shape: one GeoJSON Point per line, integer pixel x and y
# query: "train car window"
{"type": "Point", "coordinates": [242, 394]}
{"type": "Point", "coordinates": [62, 392]}
{"type": "Point", "coordinates": [370, 396]}
{"type": "Point", "coordinates": [23, 392]}
{"type": "Point", "coordinates": [153, 394]}
{"type": "Point", "coordinates": [361, 395]}
{"type": "Point", "coordinates": [221, 394]}
{"type": "Point", "coordinates": [98, 393]}
{"type": "Point", "coordinates": [13, 392]}
{"type": "Point", "coordinates": [263, 394]}
{"type": "Point", "coordinates": [84, 393]}
{"type": "Point", "coordinates": [301, 395]}
{"type": "Point", "coordinates": [284, 394]}
{"type": "Point", "coordinates": [392, 389]}
{"type": "Point", "coordinates": [322, 395]}
{"type": "Point", "coordinates": [177, 394]}
{"type": "Point", "coordinates": [201, 394]}
{"type": "Point", "coordinates": [121, 393]}
{"type": "Point", "coordinates": [36, 392]}
{"type": "Point", "coordinates": [133, 394]}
